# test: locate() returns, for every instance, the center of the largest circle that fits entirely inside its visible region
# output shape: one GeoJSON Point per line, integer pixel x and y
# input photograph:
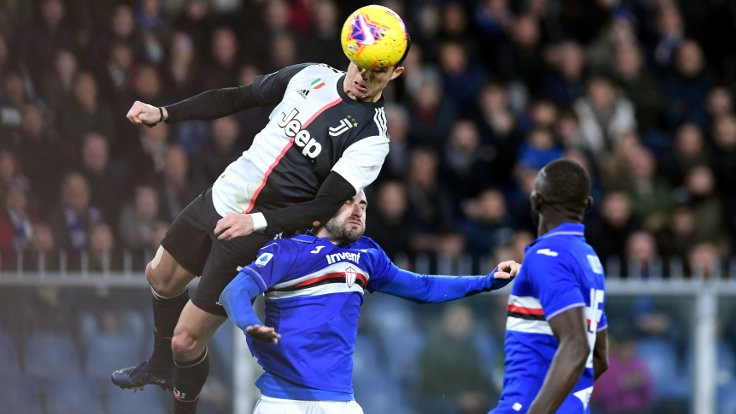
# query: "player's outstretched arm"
{"type": "Point", "coordinates": [237, 299]}
{"type": "Point", "coordinates": [600, 353]}
{"type": "Point", "coordinates": [441, 288]}
{"type": "Point", "coordinates": [568, 363]}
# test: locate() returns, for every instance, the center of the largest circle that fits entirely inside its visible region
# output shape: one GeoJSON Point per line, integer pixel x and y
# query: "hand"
{"type": "Point", "coordinates": [263, 333]}
{"type": "Point", "coordinates": [234, 225]}
{"type": "Point", "coordinates": [507, 270]}
{"type": "Point", "coordinates": [143, 113]}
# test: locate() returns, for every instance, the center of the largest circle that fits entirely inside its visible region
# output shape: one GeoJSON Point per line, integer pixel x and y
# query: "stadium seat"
{"type": "Point", "coordinates": [381, 395]}
{"type": "Point", "coordinates": [151, 400]}
{"type": "Point", "coordinates": [8, 356]}
{"type": "Point", "coordinates": [51, 355]}
{"type": "Point", "coordinates": [19, 394]}
{"type": "Point", "coordinates": [106, 353]}
{"type": "Point", "coordinates": [73, 394]}
{"type": "Point", "coordinates": [660, 357]}
{"type": "Point", "coordinates": [366, 361]}
{"type": "Point", "coordinates": [726, 398]}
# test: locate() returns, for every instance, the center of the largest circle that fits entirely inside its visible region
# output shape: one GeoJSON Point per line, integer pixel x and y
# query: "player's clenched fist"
{"type": "Point", "coordinates": [143, 113]}
{"type": "Point", "coordinates": [507, 270]}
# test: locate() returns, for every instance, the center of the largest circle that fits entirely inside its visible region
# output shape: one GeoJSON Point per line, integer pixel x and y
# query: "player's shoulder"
{"type": "Point", "coordinates": [367, 245]}
{"type": "Point", "coordinates": [320, 70]}
{"type": "Point", "coordinates": [550, 249]}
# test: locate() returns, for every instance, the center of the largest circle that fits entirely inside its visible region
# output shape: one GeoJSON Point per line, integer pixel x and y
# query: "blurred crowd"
{"type": "Point", "coordinates": [640, 92]}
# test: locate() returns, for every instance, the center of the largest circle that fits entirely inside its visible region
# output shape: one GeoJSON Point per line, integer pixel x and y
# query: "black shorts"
{"type": "Point", "coordinates": [191, 241]}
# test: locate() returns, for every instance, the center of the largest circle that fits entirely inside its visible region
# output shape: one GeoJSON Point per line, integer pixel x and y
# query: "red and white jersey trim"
{"type": "Point", "coordinates": [339, 267]}
{"type": "Point", "coordinates": [315, 291]}
{"type": "Point", "coordinates": [525, 314]}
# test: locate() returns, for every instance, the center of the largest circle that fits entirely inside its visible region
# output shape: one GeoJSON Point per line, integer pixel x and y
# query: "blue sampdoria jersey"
{"type": "Point", "coordinates": [314, 290]}
{"type": "Point", "coordinates": [560, 271]}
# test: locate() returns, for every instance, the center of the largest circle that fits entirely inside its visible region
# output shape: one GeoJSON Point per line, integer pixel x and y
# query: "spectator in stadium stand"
{"type": "Point", "coordinates": [604, 114]}
{"type": "Point", "coordinates": [45, 36]}
{"type": "Point", "coordinates": [306, 180]}
{"type": "Point", "coordinates": [724, 165]}
{"type": "Point", "coordinates": [431, 116]}
{"type": "Point", "coordinates": [397, 121]}
{"type": "Point", "coordinates": [688, 150]}
{"type": "Point", "coordinates": [74, 217]}
{"type": "Point", "coordinates": [675, 240]}
{"type": "Point", "coordinates": [58, 83]}
{"type": "Point", "coordinates": [640, 85]}
{"type": "Point", "coordinates": [174, 185]}
{"type": "Point", "coordinates": [311, 370]}
{"type": "Point", "coordinates": [499, 128]}
{"type": "Point", "coordinates": [182, 76]}
{"type": "Point", "coordinates": [704, 261]}
{"type": "Point", "coordinates": [44, 156]}
{"type": "Point", "coordinates": [222, 70]}
{"type": "Point", "coordinates": [565, 82]}
{"type": "Point", "coordinates": [86, 112]}
{"type": "Point", "coordinates": [466, 163]}
{"type": "Point", "coordinates": [17, 222]}
{"type": "Point", "coordinates": [487, 222]}
{"type": "Point", "coordinates": [388, 222]}
{"type": "Point", "coordinates": [430, 202]}
{"type": "Point", "coordinates": [452, 379]}
{"type": "Point", "coordinates": [107, 185]}
{"type": "Point", "coordinates": [221, 149]}
{"type": "Point", "coordinates": [719, 102]}
{"type": "Point", "coordinates": [627, 387]}
{"type": "Point", "coordinates": [687, 86]}
{"type": "Point", "coordinates": [103, 256]}
{"type": "Point", "coordinates": [12, 100]}
{"type": "Point", "coordinates": [519, 60]}
{"type": "Point", "coordinates": [611, 227]}
{"type": "Point", "coordinates": [650, 195]}
{"type": "Point", "coordinates": [462, 76]}
{"type": "Point", "coordinates": [10, 173]}
{"type": "Point", "coordinates": [137, 219]}
{"type": "Point", "coordinates": [642, 259]}
{"type": "Point", "coordinates": [323, 38]}
{"type": "Point", "coordinates": [42, 254]}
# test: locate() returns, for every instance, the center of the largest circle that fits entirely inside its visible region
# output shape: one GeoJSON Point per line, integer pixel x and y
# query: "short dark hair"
{"type": "Point", "coordinates": [566, 183]}
{"type": "Point", "coordinates": [406, 51]}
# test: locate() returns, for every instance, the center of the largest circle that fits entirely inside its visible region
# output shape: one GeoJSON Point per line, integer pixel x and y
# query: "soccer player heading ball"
{"type": "Point", "coordinates": [325, 141]}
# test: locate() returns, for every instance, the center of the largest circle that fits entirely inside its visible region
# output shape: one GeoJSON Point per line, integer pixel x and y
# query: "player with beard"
{"type": "Point", "coordinates": [314, 287]}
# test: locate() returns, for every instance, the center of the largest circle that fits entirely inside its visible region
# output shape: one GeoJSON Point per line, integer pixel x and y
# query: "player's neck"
{"type": "Point", "coordinates": [547, 224]}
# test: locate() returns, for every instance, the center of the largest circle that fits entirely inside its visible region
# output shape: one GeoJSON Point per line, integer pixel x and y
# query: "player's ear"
{"type": "Point", "coordinates": [397, 72]}
{"type": "Point", "coordinates": [536, 200]}
{"type": "Point", "coordinates": [588, 203]}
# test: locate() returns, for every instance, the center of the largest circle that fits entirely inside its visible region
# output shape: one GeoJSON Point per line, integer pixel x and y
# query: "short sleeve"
{"type": "Point", "coordinates": [553, 281]}
{"type": "Point", "coordinates": [383, 269]}
{"type": "Point", "coordinates": [361, 162]}
{"type": "Point", "coordinates": [269, 89]}
{"type": "Point", "coordinates": [270, 265]}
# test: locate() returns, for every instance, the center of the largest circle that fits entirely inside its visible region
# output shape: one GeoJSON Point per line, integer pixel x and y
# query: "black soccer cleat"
{"type": "Point", "coordinates": [135, 378]}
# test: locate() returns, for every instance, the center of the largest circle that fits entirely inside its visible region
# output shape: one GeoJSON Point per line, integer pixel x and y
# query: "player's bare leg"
{"type": "Point", "coordinates": [168, 281]}
{"type": "Point", "coordinates": [189, 345]}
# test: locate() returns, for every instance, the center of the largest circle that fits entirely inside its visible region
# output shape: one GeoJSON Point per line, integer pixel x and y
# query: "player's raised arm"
{"type": "Point", "coordinates": [568, 363]}
{"type": "Point", "coordinates": [215, 103]}
{"type": "Point", "coordinates": [440, 288]}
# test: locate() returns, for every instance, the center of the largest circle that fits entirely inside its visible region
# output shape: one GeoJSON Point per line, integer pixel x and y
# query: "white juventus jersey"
{"type": "Point", "coordinates": [314, 129]}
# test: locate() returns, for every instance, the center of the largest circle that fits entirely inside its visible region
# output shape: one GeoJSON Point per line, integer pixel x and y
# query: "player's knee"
{"type": "Point", "coordinates": [161, 283]}
{"type": "Point", "coordinates": [185, 346]}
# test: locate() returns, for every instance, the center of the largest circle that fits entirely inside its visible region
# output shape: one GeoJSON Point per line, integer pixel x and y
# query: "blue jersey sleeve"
{"type": "Point", "coordinates": [553, 280]}
{"type": "Point", "coordinates": [271, 265]}
{"type": "Point", "coordinates": [383, 269]}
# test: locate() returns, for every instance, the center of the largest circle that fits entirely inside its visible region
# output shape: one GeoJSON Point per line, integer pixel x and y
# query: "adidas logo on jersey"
{"type": "Point", "coordinates": [303, 93]}
{"type": "Point", "coordinates": [302, 138]}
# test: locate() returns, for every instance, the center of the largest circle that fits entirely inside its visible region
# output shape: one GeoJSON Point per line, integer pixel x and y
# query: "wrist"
{"type": "Point", "coordinates": [164, 113]}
